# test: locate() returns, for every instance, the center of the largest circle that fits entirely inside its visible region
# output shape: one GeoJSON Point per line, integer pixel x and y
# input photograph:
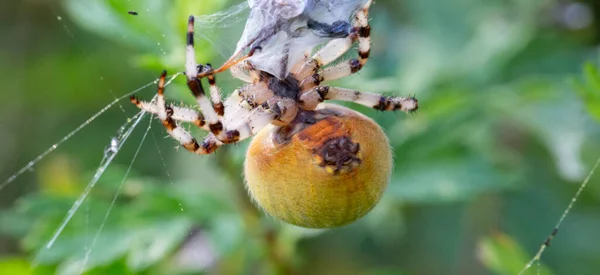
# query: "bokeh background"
{"type": "Point", "coordinates": [509, 125]}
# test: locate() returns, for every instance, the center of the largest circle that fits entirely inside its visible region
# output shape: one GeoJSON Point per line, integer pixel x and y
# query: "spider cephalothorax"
{"type": "Point", "coordinates": [286, 92]}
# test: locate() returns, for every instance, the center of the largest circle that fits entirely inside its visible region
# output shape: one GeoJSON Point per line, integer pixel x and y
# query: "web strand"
{"type": "Point", "coordinates": [546, 244]}
{"type": "Point", "coordinates": [162, 159]}
{"type": "Point", "coordinates": [112, 203]}
{"type": "Point", "coordinates": [106, 161]}
{"type": "Point", "coordinates": [37, 159]}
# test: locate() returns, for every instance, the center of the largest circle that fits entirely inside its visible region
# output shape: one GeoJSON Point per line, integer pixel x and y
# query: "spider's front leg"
{"type": "Point", "coordinates": [312, 98]}
{"type": "Point", "coordinates": [167, 116]}
{"type": "Point", "coordinates": [248, 124]}
{"type": "Point", "coordinates": [214, 110]}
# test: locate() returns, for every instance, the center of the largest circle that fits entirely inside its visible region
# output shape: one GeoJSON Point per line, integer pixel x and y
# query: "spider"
{"type": "Point", "coordinates": [266, 99]}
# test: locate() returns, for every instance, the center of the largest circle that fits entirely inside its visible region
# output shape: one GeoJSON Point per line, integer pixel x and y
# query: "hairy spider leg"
{"type": "Point", "coordinates": [238, 108]}
{"type": "Point", "coordinates": [257, 119]}
{"type": "Point", "coordinates": [165, 114]}
{"type": "Point", "coordinates": [195, 86]}
{"type": "Point", "coordinates": [329, 53]}
{"type": "Point", "coordinates": [243, 100]}
{"type": "Point", "coordinates": [361, 32]}
{"type": "Point", "coordinates": [250, 125]}
{"type": "Point", "coordinates": [241, 105]}
{"type": "Point", "coordinates": [179, 113]}
{"type": "Point", "coordinates": [215, 93]}
{"type": "Point", "coordinates": [311, 99]}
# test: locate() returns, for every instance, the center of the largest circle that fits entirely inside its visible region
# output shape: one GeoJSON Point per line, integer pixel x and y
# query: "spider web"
{"type": "Point", "coordinates": [538, 256]}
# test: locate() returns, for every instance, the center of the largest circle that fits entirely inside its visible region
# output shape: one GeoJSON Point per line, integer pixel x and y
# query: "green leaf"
{"type": "Point", "coordinates": [592, 77]}
{"type": "Point", "coordinates": [158, 31]}
{"type": "Point", "coordinates": [589, 89]}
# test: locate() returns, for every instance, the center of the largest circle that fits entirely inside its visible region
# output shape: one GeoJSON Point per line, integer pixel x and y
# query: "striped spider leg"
{"type": "Point", "coordinates": [250, 118]}
{"type": "Point", "coordinates": [312, 98]}
{"type": "Point", "coordinates": [266, 99]}
{"type": "Point", "coordinates": [312, 74]}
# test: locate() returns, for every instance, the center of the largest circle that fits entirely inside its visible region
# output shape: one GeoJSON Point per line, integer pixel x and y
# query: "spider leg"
{"type": "Point", "coordinates": [178, 113]}
{"type": "Point", "coordinates": [329, 53]}
{"type": "Point", "coordinates": [360, 32]}
{"type": "Point", "coordinates": [311, 99]}
{"type": "Point", "coordinates": [276, 110]}
{"type": "Point", "coordinates": [215, 93]}
{"type": "Point", "coordinates": [257, 119]}
{"type": "Point", "coordinates": [243, 100]}
{"type": "Point", "coordinates": [210, 111]}
{"type": "Point", "coordinates": [363, 29]}
{"type": "Point", "coordinates": [165, 114]}
{"type": "Point", "coordinates": [331, 73]}
{"type": "Point", "coordinates": [254, 122]}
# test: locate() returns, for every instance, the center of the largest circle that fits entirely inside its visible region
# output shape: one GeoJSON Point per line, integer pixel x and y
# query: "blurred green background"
{"type": "Point", "coordinates": [508, 127]}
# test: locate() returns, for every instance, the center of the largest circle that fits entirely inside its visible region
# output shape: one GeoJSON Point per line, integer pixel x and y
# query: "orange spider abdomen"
{"type": "Point", "coordinates": [324, 173]}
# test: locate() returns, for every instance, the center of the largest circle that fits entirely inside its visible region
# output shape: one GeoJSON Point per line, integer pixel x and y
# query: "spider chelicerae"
{"type": "Point", "coordinates": [266, 98]}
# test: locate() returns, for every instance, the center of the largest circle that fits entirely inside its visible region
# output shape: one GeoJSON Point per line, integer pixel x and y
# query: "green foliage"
{"type": "Point", "coordinates": [160, 25]}
{"type": "Point", "coordinates": [589, 89]}
{"type": "Point", "coordinates": [482, 171]}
